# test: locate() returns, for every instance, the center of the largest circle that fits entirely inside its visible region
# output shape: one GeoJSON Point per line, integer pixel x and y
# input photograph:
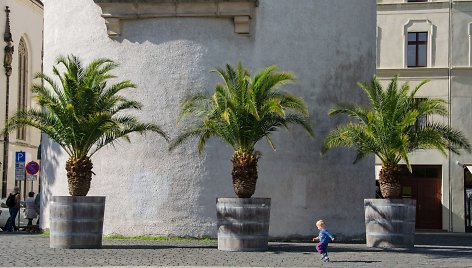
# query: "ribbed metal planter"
{"type": "Point", "coordinates": [76, 221]}
{"type": "Point", "coordinates": [243, 224]}
{"type": "Point", "coordinates": [390, 223]}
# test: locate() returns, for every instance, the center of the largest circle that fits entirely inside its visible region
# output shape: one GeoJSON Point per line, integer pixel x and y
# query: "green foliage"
{"type": "Point", "coordinates": [158, 238]}
{"type": "Point", "coordinates": [45, 233]}
{"type": "Point", "coordinates": [388, 126]}
{"type": "Point", "coordinates": [82, 113]}
{"type": "Point", "coordinates": [242, 110]}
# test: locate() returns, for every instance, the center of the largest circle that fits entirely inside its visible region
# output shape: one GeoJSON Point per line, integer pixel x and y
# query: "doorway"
{"type": "Point", "coordinates": [468, 200]}
{"type": "Point", "coordinates": [424, 185]}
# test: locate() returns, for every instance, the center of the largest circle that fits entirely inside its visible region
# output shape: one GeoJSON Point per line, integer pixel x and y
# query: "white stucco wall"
{"type": "Point", "coordinates": [329, 44]}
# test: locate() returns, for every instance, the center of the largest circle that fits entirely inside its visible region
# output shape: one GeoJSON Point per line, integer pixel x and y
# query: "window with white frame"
{"type": "Point", "coordinates": [417, 50]}
{"type": "Point", "coordinates": [419, 38]}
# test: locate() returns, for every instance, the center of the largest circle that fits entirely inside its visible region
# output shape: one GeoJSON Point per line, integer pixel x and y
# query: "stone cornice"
{"type": "Point", "coordinates": [413, 72]}
{"type": "Point", "coordinates": [411, 6]}
{"type": "Point", "coordinates": [462, 68]}
{"type": "Point", "coordinates": [425, 6]}
{"type": "Point", "coordinates": [24, 144]}
{"type": "Point", "coordinates": [438, 72]}
{"type": "Point", "coordinates": [115, 11]}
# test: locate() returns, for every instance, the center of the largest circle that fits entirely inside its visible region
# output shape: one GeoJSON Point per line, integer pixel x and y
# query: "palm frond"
{"type": "Point", "coordinates": [243, 109]}
{"type": "Point", "coordinates": [388, 127]}
{"type": "Point", "coordinates": [351, 110]}
{"type": "Point", "coordinates": [191, 132]}
{"type": "Point", "coordinates": [82, 113]}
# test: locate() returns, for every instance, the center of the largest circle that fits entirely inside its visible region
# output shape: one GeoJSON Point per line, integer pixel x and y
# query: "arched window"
{"type": "Point", "coordinates": [22, 84]}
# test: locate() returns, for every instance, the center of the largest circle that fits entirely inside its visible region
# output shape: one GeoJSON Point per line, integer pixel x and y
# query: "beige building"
{"type": "Point", "coordinates": [432, 40]}
{"type": "Point", "coordinates": [22, 25]}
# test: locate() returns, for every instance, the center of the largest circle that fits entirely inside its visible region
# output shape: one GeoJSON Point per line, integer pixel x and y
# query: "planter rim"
{"type": "Point", "coordinates": [390, 201]}
{"type": "Point", "coordinates": [79, 196]}
{"type": "Point", "coordinates": [393, 199]}
{"type": "Point", "coordinates": [237, 200]}
{"type": "Point", "coordinates": [230, 198]}
{"type": "Point", "coordinates": [56, 198]}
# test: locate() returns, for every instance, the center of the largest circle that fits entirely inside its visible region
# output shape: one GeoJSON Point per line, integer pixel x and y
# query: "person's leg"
{"type": "Point", "coordinates": [13, 214]}
{"type": "Point", "coordinates": [10, 226]}
{"type": "Point", "coordinates": [325, 253]}
{"type": "Point", "coordinates": [30, 221]}
{"type": "Point", "coordinates": [8, 223]}
{"type": "Point", "coordinates": [320, 249]}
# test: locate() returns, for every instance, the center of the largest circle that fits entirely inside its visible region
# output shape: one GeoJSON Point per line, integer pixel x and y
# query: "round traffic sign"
{"type": "Point", "coordinates": [32, 167]}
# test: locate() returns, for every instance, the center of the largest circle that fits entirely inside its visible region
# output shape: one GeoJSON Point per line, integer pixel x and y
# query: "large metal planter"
{"type": "Point", "coordinates": [243, 224]}
{"type": "Point", "coordinates": [76, 221]}
{"type": "Point", "coordinates": [390, 223]}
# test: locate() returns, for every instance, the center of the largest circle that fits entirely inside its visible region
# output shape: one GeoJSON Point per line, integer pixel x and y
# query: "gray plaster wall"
{"type": "Point", "coordinates": [329, 44]}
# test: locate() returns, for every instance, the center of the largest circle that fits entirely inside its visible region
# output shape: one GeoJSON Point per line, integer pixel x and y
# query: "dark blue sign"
{"type": "Point", "coordinates": [20, 157]}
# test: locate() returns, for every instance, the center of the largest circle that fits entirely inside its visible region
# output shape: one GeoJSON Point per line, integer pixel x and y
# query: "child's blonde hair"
{"type": "Point", "coordinates": [320, 223]}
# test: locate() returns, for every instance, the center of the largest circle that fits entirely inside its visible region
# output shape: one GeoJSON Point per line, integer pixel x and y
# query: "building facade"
{"type": "Point", "coordinates": [168, 48]}
{"type": "Point", "coordinates": [431, 40]}
{"type": "Point", "coordinates": [22, 25]}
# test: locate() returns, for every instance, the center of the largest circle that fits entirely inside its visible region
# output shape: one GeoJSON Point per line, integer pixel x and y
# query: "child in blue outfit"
{"type": "Point", "coordinates": [323, 237]}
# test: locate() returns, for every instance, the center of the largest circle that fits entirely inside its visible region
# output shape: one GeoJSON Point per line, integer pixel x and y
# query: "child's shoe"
{"type": "Point", "coordinates": [323, 256]}
{"type": "Point", "coordinates": [326, 259]}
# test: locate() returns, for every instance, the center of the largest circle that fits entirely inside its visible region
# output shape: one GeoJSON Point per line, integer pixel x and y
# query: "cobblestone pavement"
{"type": "Point", "coordinates": [431, 250]}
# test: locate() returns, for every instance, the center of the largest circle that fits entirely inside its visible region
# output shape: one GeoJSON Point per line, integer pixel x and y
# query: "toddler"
{"type": "Point", "coordinates": [323, 237]}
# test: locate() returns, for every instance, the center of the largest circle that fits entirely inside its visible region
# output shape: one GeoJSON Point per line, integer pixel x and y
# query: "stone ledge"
{"type": "Point", "coordinates": [436, 72]}
{"type": "Point", "coordinates": [115, 11]}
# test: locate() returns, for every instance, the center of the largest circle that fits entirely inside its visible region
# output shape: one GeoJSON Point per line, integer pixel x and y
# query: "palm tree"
{"type": "Point", "coordinates": [241, 111]}
{"type": "Point", "coordinates": [389, 128]}
{"type": "Point", "coordinates": [82, 114]}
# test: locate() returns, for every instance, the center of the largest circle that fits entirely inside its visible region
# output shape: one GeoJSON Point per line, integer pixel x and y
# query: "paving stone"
{"type": "Point", "coordinates": [431, 250]}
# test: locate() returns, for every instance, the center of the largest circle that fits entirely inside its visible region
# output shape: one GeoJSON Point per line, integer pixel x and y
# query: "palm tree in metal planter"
{"type": "Point", "coordinates": [389, 128]}
{"type": "Point", "coordinates": [82, 113]}
{"type": "Point", "coordinates": [241, 111]}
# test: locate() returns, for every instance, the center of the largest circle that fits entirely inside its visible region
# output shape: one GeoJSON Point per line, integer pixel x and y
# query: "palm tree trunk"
{"type": "Point", "coordinates": [389, 180]}
{"type": "Point", "coordinates": [244, 173]}
{"type": "Point", "coordinates": [79, 175]}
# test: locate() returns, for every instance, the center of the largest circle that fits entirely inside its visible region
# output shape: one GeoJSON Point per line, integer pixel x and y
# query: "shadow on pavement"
{"type": "Point", "coordinates": [442, 252]}
{"type": "Point", "coordinates": [355, 261]}
{"type": "Point", "coordinates": [284, 248]}
{"type": "Point", "coordinates": [433, 246]}
{"type": "Point", "coordinates": [443, 239]}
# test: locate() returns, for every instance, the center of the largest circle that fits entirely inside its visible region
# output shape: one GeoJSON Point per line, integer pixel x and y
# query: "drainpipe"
{"type": "Point", "coordinates": [8, 57]}
{"type": "Point", "coordinates": [449, 121]}
{"type": "Point", "coordinates": [41, 135]}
